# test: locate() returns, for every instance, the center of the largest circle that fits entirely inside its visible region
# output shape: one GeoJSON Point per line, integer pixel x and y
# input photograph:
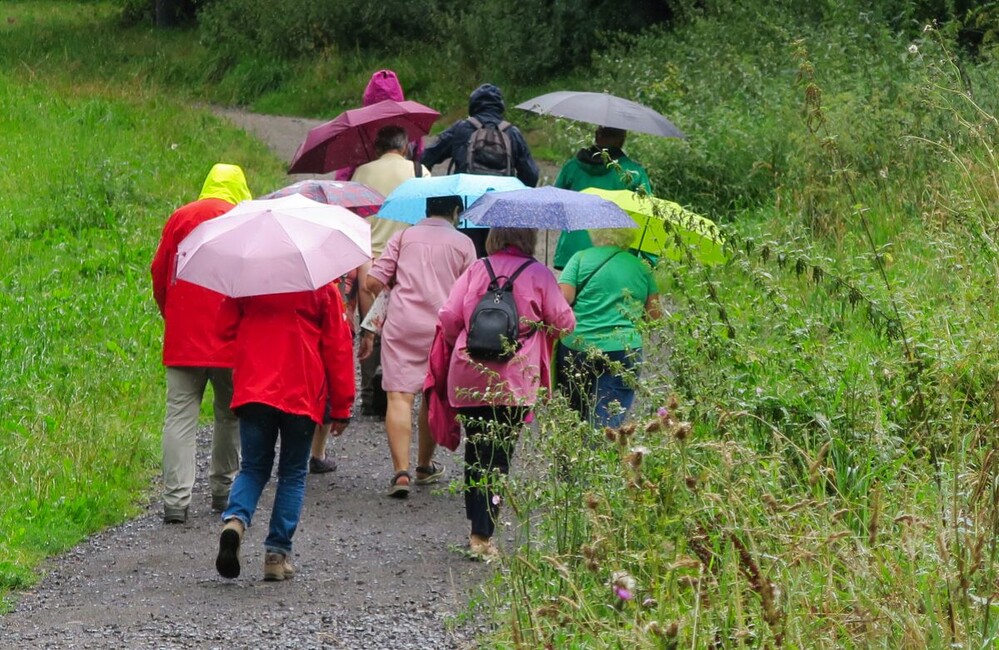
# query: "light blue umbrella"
{"type": "Point", "coordinates": [408, 202]}
{"type": "Point", "coordinates": [548, 208]}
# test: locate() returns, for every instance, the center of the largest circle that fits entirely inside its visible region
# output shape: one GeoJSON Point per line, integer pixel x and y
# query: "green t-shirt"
{"type": "Point", "coordinates": [612, 302]}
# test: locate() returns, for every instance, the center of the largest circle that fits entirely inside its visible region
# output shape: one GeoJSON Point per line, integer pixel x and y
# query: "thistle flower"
{"type": "Point", "coordinates": [662, 411]}
{"type": "Point", "coordinates": [623, 585]}
{"type": "Point", "coordinates": [592, 502]}
{"type": "Point", "coordinates": [623, 593]}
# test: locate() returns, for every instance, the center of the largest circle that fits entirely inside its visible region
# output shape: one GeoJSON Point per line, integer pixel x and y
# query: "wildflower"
{"type": "Point", "coordinates": [662, 411]}
{"type": "Point", "coordinates": [496, 499]}
{"type": "Point", "coordinates": [673, 402]}
{"type": "Point", "coordinates": [649, 602]}
{"type": "Point", "coordinates": [592, 502]}
{"type": "Point", "coordinates": [913, 49]}
{"type": "Point", "coordinates": [682, 430]}
{"type": "Point", "coordinates": [623, 585]}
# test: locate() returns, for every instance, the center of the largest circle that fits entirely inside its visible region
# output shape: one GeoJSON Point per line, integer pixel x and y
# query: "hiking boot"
{"type": "Point", "coordinates": [227, 562]}
{"type": "Point", "coordinates": [220, 502]}
{"type": "Point", "coordinates": [277, 567]}
{"type": "Point", "coordinates": [321, 465]}
{"type": "Point", "coordinates": [174, 515]}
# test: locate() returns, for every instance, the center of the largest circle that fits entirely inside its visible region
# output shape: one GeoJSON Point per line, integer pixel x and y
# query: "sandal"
{"type": "Point", "coordinates": [430, 473]}
{"type": "Point", "coordinates": [398, 490]}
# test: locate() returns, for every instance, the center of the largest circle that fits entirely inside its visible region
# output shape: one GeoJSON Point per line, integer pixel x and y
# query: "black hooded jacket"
{"type": "Point", "coordinates": [486, 105]}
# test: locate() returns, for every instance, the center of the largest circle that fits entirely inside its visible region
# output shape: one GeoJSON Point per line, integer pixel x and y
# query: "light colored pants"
{"type": "Point", "coordinates": [185, 390]}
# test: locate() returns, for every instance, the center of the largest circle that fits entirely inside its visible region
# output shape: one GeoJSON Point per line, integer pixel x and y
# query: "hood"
{"type": "Point", "coordinates": [487, 98]}
{"type": "Point", "coordinates": [384, 85]}
{"type": "Point", "coordinates": [593, 160]}
{"type": "Point", "coordinates": [226, 182]}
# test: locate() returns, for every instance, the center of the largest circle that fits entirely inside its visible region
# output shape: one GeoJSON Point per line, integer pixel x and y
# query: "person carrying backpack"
{"type": "Point", "coordinates": [484, 143]}
{"type": "Point", "coordinates": [494, 391]}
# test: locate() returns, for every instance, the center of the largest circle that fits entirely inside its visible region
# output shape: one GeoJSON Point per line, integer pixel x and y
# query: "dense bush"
{"type": "Point", "coordinates": [514, 41]}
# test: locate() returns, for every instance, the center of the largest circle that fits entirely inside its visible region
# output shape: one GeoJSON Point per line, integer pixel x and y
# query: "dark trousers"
{"type": "Point", "coordinates": [592, 385]}
{"type": "Point", "coordinates": [373, 398]}
{"type": "Point", "coordinates": [490, 434]}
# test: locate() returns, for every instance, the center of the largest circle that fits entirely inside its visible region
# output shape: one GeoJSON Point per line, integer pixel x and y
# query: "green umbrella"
{"type": "Point", "coordinates": [666, 228]}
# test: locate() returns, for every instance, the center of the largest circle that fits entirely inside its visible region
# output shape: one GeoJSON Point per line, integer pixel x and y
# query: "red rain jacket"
{"type": "Point", "coordinates": [293, 352]}
{"type": "Point", "coordinates": [191, 313]}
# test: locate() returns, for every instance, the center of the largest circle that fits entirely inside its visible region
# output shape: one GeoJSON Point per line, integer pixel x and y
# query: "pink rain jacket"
{"type": "Point", "coordinates": [514, 382]}
{"type": "Point", "coordinates": [383, 85]}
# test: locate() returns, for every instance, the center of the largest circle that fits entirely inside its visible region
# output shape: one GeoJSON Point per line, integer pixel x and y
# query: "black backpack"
{"type": "Point", "coordinates": [494, 328]}
{"type": "Point", "coordinates": [489, 150]}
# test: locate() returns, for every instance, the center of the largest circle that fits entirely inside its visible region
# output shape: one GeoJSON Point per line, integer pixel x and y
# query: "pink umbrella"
{"type": "Point", "coordinates": [356, 197]}
{"type": "Point", "coordinates": [274, 246]}
{"type": "Point", "coordinates": [348, 139]}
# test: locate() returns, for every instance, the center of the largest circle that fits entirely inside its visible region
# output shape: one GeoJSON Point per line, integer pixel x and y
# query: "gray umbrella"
{"type": "Point", "coordinates": [602, 109]}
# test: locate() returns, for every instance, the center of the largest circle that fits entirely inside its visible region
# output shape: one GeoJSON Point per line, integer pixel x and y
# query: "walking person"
{"type": "Point", "coordinates": [195, 353]}
{"type": "Point", "coordinates": [484, 143]}
{"type": "Point", "coordinates": [604, 165]}
{"type": "Point", "coordinates": [383, 174]}
{"type": "Point", "coordinates": [611, 292]}
{"type": "Point", "coordinates": [293, 363]}
{"type": "Point", "coordinates": [493, 397]}
{"type": "Point", "coordinates": [421, 265]}
{"type": "Point", "coordinates": [384, 84]}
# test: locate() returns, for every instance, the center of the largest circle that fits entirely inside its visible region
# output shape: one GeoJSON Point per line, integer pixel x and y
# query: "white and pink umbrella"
{"type": "Point", "coordinates": [274, 246]}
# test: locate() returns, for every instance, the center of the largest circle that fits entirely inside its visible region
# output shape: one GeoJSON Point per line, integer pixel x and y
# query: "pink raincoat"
{"type": "Point", "coordinates": [383, 85]}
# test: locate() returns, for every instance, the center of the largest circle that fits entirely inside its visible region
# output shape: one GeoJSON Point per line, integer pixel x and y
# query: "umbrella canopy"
{"type": "Point", "coordinates": [356, 197]}
{"type": "Point", "coordinates": [348, 139]}
{"type": "Point", "coordinates": [602, 109]}
{"type": "Point", "coordinates": [546, 207]}
{"type": "Point", "coordinates": [408, 202]}
{"type": "Point", "coordinates": [667, 229]}
{"type": "Point", "coordinates": [274, 246]}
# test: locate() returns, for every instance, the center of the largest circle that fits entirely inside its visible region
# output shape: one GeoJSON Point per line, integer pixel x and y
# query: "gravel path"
{"type": "Point", "coordinates": [373, 572]}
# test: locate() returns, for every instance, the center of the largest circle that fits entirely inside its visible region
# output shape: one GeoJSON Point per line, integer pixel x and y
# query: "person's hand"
{"type": "Point", "coordinates": [337, 427]}
{"type": "Point", "coordinates": [365, 346]}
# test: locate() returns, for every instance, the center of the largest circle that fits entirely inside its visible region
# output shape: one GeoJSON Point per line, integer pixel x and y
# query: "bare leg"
{"type": "Point", "coordinates": [399, 426]}
{"type": "Point", "coordinates": [319, 437]}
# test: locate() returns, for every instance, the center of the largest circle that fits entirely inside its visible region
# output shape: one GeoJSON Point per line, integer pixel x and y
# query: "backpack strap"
{"type": "Point", "coordinates": [494, 280]}
{"type": "Point", "coordinates": [513, 276]}
{"type": "Point", "coordinates": [417, 169]}
{"type": "Point", "coordinates": [586, 280]}
{"type": "Point", "coordinates": [474, 121]}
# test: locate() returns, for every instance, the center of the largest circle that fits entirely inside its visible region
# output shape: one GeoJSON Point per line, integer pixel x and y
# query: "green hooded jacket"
{"type": "Point", "coordinates": [589, 169]}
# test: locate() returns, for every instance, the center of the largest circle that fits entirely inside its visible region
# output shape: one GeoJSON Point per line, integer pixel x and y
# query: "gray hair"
{"type": "Point", "coordinates": [391, 138]}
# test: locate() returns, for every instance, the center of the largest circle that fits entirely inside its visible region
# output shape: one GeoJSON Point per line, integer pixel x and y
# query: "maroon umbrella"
{"type": "Point", "coordinates": [348, 139]}
{"type": "Point", "coordinates": [356, 197]}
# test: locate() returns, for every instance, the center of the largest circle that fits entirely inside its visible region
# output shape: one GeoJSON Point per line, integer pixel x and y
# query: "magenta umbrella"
{"type": "Point", "coordinates": [348, 139]}
{"type": "Point", "coordinates": [356, 197]}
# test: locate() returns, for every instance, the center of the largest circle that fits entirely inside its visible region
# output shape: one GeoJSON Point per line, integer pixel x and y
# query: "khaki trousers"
{"type": "Point", "coordinates": [185, 390]}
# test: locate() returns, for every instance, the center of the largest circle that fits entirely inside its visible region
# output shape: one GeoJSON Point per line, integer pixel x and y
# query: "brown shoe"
{"type": "Point", "coordinates": [227, 561]}
{"type": "Point", "coordinates": [482, 549]}
{"type": "Point", "coordinates": [277, 567]}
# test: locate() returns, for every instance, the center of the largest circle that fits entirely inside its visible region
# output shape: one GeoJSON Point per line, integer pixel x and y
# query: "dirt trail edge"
{"type": "Point", "coordinates": [373, 572]}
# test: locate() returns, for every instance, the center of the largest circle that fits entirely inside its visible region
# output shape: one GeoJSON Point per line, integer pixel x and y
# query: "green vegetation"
{"type": "Point", "coordinates": [823, 471]}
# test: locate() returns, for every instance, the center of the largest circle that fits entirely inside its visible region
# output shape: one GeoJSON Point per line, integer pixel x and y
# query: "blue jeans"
{"type": "Point", "coordinates": [592, 386]}
{"type": "Point", "coordinates": [260, 426]}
